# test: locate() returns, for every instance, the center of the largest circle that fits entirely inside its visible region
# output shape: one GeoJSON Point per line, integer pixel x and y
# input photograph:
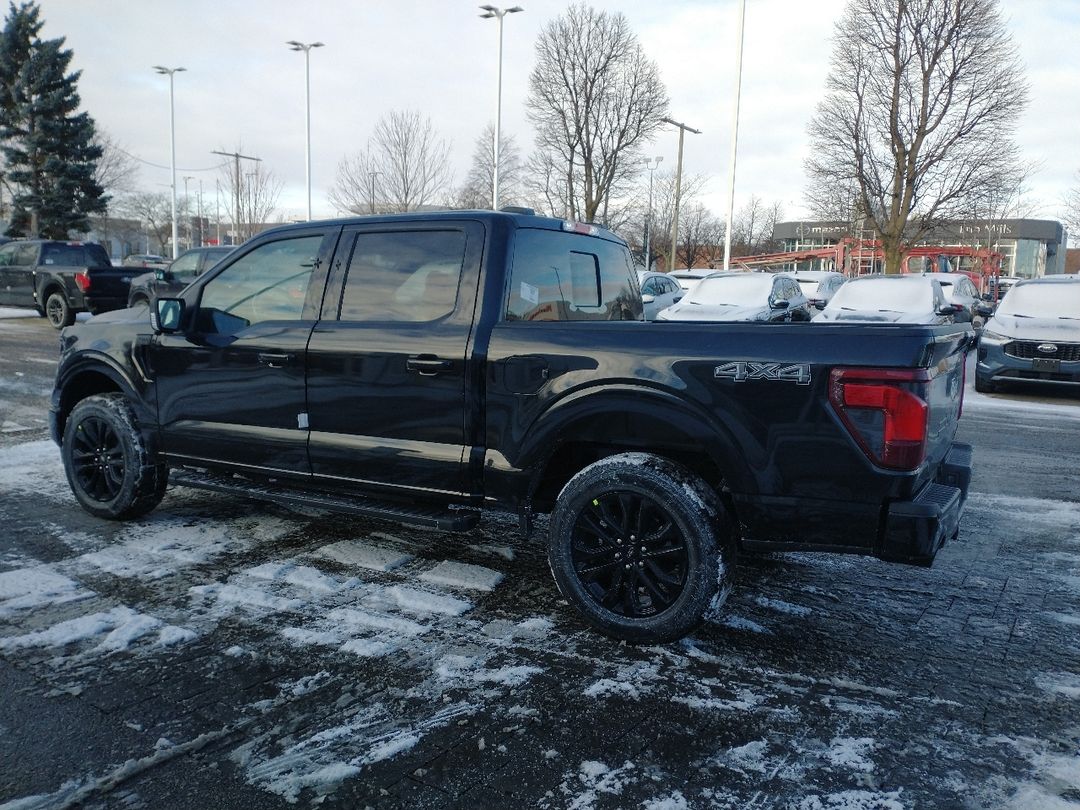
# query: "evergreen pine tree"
{"type": "Point", "coordinates": [47, 145]}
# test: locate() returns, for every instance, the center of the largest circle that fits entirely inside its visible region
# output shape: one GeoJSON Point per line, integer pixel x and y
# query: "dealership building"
{"type": "Point", "coordinates": [1029, 247]}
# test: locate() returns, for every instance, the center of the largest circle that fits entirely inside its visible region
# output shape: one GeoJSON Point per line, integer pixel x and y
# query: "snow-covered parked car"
{"type": "Point", "coordinates": [888, 299]}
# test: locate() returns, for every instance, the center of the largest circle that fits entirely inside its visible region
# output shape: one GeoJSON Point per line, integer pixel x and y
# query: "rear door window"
{"type": "Point", "coordinates": [403, 276]}
{"type": "Point", "coordinates": [571, 277]}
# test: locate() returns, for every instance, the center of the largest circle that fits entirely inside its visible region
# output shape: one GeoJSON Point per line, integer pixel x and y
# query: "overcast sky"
{"type": "Point", "coordinates": [244, 86]}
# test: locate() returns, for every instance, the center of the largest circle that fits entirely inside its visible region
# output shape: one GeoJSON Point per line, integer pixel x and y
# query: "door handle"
{"type": "Point", "coordinates": [428, 365]}
{"type": "Point", "coordinates": [274, 360]}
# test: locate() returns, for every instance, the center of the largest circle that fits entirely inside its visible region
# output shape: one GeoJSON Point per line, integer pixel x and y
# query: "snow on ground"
{"type": "Point", "coordinates": [394, 641]}
{"type": "Point", "coordinates": [462, 575]}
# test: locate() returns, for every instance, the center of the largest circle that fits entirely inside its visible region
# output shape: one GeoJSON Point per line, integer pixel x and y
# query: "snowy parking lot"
{"type": "Point", "coordinates": [227, 653]}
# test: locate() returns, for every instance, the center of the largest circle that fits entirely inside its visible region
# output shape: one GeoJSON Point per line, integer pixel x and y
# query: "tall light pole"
{"type": "Point", "coordinates": [734, 134]}
{"type": "Point", "coordinates": [498, 13]}
{"type": "Point", "coordinates": [656, 161]}
{"type": "Point", "coordinates": [171, 72]}
{"type": "Point", "coordinates": [306, 48]}
{"type": "Point", "coordinates": [683, 129]}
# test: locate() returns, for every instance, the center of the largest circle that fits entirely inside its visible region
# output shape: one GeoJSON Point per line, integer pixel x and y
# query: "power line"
{"type": "Point", "coordinates": [169, 168]}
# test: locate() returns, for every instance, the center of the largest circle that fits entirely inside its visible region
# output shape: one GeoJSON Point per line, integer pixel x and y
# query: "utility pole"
{"type": "Point", "coordinates": [171, 72]}
{"type": "Point", "coordinates": [683, 128]}
{"type": "Point", "coordinates": [306, 48]}
{"type": "Point", "coordinates": [373, 176]}
{"type": "Point", "coordinates": [202, 235]}
{"type": "Point", "coordinates": [187, 211]}
{"type": "Point", "coordinates": [236, 156]}
{"type": "Point", "coordinates": [217, 208]}
{"type": "Point", "coordinates": [648, 215]}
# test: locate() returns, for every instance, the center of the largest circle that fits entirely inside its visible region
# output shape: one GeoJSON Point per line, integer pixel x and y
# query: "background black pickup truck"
{"type": "Point", "coordinates": [60, 279]}
{"type": "Point", "coordinates": [423, 367]}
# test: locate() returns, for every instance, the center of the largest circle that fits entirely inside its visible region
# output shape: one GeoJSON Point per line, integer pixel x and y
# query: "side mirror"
{"type": "Point", "coordinates": [648, 299]}
{"type": "Point", "coordinates": [677, 299]}
{"type": "Point", "coordinates": [946, 309]}
{"type": "Point", "coordinates": [779, 304]}
{"type": "Point", "coordinates": [985, 310]}
{"type": "Point", "coordinates": [819, 305]}
{"type": "Point", "coordinates": [166, 314]}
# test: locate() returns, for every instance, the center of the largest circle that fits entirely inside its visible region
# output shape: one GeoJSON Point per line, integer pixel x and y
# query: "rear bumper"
{"type": "Point", "coordinates": [96, 304]}
{"type": "Point", "coordinates": [916, 530]}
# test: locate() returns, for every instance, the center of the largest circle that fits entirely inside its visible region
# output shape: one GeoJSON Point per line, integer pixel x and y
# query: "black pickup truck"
{"type": "Point", "coordinates": [60, 279]}
{"type": "Point", "coordinates": [423, 368]}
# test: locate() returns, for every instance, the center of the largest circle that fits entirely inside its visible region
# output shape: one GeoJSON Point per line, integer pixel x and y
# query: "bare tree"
{"type": "Point", "coordinates": [405, 166]}
{"type": "Point", "coordinates": [752, 228]}
{"type": "Point", "coordinates": [545, 186]}
{"type": "Point", "coordinates": [153, 209]}
{"type": "Point", "coordinates": [921, 101]}
{"type": "Point", "coordinates": [631, 225]}
{"type": "Point", "coordinates": [697, 228]}
{"type": "Point", "coordinates": [116, 171]}
{"type": "Point", "coordinates": [594, 99]}
{"type": "Point", "coordinates": [476, 193]}
{"type": "Point", "coordinates": [1072, 211]}
{"type": "Point", "coordinates": [259, 191]}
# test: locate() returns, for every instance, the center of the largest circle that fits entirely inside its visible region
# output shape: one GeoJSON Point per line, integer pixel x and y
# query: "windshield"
{"type": "Point", "coordinates": [1042, 301]}
{"type": "Point", "coordinates": [884, 295]}
{"type": "Point", "coordinates": [739, 291]}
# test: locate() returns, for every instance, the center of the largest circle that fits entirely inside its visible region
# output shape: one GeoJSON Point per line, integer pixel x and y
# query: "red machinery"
{"type": "Point", "coordinates": [855, 257]}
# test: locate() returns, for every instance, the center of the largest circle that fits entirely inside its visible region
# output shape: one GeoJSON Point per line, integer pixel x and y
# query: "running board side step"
{"type": "Point", "coordinates": [447, 520]}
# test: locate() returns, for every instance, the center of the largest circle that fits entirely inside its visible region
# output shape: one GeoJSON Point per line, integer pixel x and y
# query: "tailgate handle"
{"type": "Point", "coordinates": [428, 365]}
{"type": "Point", "coordinates": [275, 360]}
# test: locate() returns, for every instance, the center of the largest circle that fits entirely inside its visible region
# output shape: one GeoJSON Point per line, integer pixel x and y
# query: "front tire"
{"type": "Point", "coordinates": [984, 386]}
{"type": "Point", "coordinates": [111, 471]}
{"type": "Point", "coordinates": [641, 547]}
{"type": "Point", "coordinates": [58, 310]}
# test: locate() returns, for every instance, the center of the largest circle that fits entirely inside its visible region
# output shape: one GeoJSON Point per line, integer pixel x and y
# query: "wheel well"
{"type": "Point", "coordinates": [83, 385]}
{"type": "Point", "coordinates": [572, 457]}
{"type": "Point", "coordinates": [48, 289]}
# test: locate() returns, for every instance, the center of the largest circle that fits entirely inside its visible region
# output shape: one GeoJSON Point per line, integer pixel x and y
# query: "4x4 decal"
{"type": "Point", "coordinates": [741, 371]}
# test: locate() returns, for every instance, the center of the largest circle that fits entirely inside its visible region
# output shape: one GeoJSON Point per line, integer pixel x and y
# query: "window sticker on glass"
{"type": "Point", "coordinates": [530, 293]}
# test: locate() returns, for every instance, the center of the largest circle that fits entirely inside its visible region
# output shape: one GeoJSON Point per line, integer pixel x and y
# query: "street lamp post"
{"type": "Point", "coordinates": [498, 13]}
{"type": "Point", "coordinates": [683, 129]}
{"type": "Point", "coordinates": [306, 48]}
{"type": "Point", "coordinates": [656, 161]}
{"type": "Point", "coordinates": [734, 133]}
{"type": "Point", "coordinates": [171, 72]}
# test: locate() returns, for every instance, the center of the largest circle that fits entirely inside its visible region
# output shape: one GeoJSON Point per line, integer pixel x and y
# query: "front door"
{"type": "Point", "coordinates": [387, 362]}
{"type": "Point", "coordinates": [231, 387]}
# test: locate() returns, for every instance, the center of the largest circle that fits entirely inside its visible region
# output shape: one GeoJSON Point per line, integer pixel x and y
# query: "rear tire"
{"type": "Point", "coordinates": [642, 547]}
{"type": "Point", "coordinates": [111, 471]}
{"type": "Point", "coordinates": [58, 310]}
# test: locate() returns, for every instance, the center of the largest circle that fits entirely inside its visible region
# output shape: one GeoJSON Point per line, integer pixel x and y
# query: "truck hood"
{"type": "Point", "coordinates": [1055, 329]}
{"type": "Point", "coordinates": [135, 314]}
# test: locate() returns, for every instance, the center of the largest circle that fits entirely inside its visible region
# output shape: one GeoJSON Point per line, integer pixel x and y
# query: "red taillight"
{"type": "Point", "coordinates": [883, 414]}
{"type": "Point", "coordinates": [83, 280]}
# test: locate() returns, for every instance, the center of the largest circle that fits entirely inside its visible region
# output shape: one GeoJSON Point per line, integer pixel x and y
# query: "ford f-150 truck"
{"type": "Point", "coordinates": [426, 367]}
{"type": "Point", "coordinates": [60, 279]}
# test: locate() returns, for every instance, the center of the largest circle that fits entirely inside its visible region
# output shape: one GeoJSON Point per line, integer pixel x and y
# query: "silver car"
{"type": "Point", "coordinates": [962, 293]}
{"type": "Point", "coordinates": [818, 286]}
{"type": "Point", "coordinates": [658, 292]}
{"type": "Point", "coordinates": [1034, 336]}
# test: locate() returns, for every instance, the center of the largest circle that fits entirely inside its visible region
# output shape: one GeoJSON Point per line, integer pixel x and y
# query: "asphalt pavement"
{"type": "Point", "coordinates": [229, 654]}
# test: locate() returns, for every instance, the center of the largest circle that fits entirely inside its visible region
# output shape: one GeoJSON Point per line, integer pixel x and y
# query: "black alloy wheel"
{"type": "Point", "coordinates": [629, 554]}
{"type": "Point", "coordinates": [642, 547]}
{"type": "Point", "coordinates": [112, 471]}
{"type": "Point", "coordinates": [58, 311]}
{"type": "Point", "coordinates": [97, 459]}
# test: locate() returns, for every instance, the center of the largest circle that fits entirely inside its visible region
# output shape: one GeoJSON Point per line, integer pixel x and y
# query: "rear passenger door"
{"type": "Point", "coordinates": [21, 274]}
{"type": "Point", "coordinates": [386, 386]}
